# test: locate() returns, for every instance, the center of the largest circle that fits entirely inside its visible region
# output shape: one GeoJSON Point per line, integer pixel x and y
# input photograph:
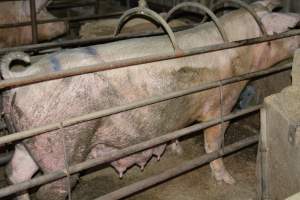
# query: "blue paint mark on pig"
{"type": "Point", "coordinates": [56, 66]}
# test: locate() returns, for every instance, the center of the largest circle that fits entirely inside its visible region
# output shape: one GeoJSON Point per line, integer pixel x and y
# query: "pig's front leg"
{"type": "Point", "coordinates": [213, 140]}
{"type": "Point", "coordinates": [21, 168]}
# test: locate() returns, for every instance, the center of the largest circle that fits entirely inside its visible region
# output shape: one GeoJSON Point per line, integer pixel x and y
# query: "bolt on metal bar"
{"type": "Point", "coordinates": [14, 82]}
{"type": "Point", "coordinates": [104, 113]}
{"type": "Point", "coordinates": [59, 174]}
{"type": "Point", "coordinates": [34, 28]}
{"type": "Point", "coordinates": [176, 171]}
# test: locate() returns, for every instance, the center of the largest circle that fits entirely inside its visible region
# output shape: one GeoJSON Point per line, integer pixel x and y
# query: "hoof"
{"type": "Point", "coordinates": [176, 148]}
{"type": "Point", "coordinates": [24, 196]}
{"type": "Point", "coordinates": [224, 176]}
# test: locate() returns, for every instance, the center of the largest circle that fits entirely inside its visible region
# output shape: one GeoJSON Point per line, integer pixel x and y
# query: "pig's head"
{"type": "Point", "coordinates": [268, 54]}
{"type": "Point", "coordinates": [50, 30]}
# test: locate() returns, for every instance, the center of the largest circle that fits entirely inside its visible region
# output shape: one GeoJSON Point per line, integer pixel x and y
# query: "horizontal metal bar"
{"type": "Point", "coordinates": [104, 113]}
{"type": "Point", "coordinates": [84, 42]}
{"type": "Point", "coordinates": [70, 5]}
{"type": "Point", "coordinates": [176, 171]}
{"type": "Point", "coordinates": [56, 175]}
{"type": "Point", "coordinates": [14, 82]}
{"type": "Point", "coordinates": [64, 19]}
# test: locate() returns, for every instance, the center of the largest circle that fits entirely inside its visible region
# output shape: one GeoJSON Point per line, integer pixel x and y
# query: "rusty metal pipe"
{"type": "Point", "coordinates": [34, 27]}
{"type": "Point", "coordinates": [14, 82]}
{"type": "Point", "coordinates": [176, 171]}
{"type": "Point", "coordinates": [56, 175]}
{"type": "Point", "coordinates": [104, 113]}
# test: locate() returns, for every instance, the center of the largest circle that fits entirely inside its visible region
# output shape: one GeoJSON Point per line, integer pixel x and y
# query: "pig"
{"type": "Point", "coordinates": [53, 101]}
{"type": "Point", "coordinates": [107, 27]}
{"type": "Point", "coordinates": [19, 11]}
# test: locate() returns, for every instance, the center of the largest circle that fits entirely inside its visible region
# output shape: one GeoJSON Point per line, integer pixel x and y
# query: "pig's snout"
{"type": "Point", "coordinates": [52, 30]}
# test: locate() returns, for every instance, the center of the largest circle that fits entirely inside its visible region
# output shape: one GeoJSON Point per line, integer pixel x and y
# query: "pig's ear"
{"type": "Point", "coordinates": [280, 22]}
{"type": "Point", "coordinates": [41, 4]}
{"type": "Point", "coordinates": [269, 4]}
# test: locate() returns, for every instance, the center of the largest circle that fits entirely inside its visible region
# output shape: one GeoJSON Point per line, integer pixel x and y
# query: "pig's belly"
{"type": "Point", "coordinates": [142, 124]}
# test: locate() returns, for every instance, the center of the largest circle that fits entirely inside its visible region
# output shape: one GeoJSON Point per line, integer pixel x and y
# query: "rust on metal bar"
{"type": "Point", "coordinates": [15, 82]}
{"type": "Point", "coordinates": [104, 113]}
{"type": "Point", "coordinates": [202, 8]}
{"type": "Point", "coordinates": [59, 174]}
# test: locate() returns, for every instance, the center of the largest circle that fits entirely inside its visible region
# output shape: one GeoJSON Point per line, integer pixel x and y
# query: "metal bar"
{"type": "Point", "coordinates": [84, 42]}
{"type": "Point", "coordinates": [153, 16]}
{"type": "Point", "coordinates": [70, 19]}
{"type": "Point", "coordinates": [14, 82]}
{"type": "Point", "coordinates": [176, 171]}
{"type": "Point", "coordinates": [263, 153]}
{"type": "Point", "coordinates": [205, 10]}
{"type": "Point", "coordinates": [59, 174]}
{"type": "Point", "coordinates": [97, 6]}
{"type": "Point", "coordinates": [248, 8]}
{"type": "Point", "coordinates": [70, 5]}
{"type": "Point", "coordinates": [34, 28]}
{"type": "Point", "coordinates": [104, 113]}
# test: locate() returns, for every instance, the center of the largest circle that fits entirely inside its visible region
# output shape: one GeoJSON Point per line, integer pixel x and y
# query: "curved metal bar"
{"type": "Point", "coordinates": [247, 8]}
{"type": "Point", "coordinates": [202, 8]}
{"type": "Point", "coordinates": [143, 11]}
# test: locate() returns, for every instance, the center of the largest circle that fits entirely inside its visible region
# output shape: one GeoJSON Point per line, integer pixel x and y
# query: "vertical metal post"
{"type": "Point", "coordinates": [97, 6]}
{"type": "Point", "coordinates": [263, 158]}
{"type": "Point", "coordinates": [288, 6]}
{"type": "Point", "coordinates": [34, 28]}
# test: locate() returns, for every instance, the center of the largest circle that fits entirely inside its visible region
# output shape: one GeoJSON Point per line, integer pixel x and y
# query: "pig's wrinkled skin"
{"type": "Point", "coordinates": [53, 101]}
{"type": "Point", "coordinates": [19, 11]}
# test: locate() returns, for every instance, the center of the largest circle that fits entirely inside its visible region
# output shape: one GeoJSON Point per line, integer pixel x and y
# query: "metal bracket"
{"type": "Point", "coordinates": [247, 8]}
{"type": "Point", "coordinates": [205, 10]}
{"type": "Point", "coordinates": [142, 11]}
{"type": "Point", "coordinates": [294, 134]}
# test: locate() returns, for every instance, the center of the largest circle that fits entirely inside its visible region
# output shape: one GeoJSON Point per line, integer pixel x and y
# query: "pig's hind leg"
{"type": "Point", "coordinates": [21, 168]}
{"type": "Point", "coordinates": [213, 140]}
{"type": "Point", "coordinates": [214, 136]}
